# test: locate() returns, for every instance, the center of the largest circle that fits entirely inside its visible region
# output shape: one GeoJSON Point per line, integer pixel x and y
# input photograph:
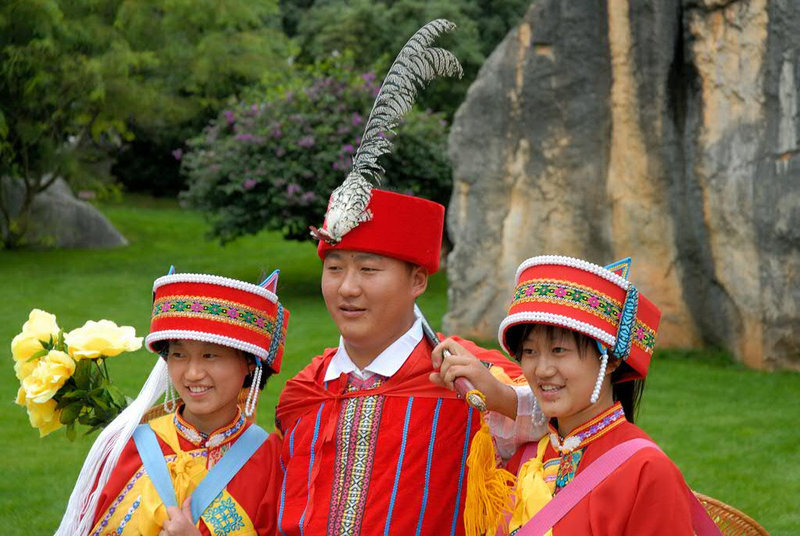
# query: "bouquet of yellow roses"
{"type": "Point", "coordinates": [63, 376]}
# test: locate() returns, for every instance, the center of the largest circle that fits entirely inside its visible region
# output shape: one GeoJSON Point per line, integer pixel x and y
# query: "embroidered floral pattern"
{"type": "Point", "coordinates": [579, 296]}
{"type": "Point", "coordinates": [222, 518]}
{"type": "Point", "coordinates": [219, 310]}
{"type": "Point", "coordinates": [583, 298]}
{"type": "Point", "coordinates": [357, 434]}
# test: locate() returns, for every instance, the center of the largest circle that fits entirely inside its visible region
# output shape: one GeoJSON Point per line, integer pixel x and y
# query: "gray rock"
{"type": "Point", "coordinates": [60, 220]}
{"type": "Point", "coordinates": [662, 130]}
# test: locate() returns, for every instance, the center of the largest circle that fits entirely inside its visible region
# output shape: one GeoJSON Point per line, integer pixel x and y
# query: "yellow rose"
{"type": "Point", "coordinates": [40, 326]}
{"type": "Point", "coordinates": [44, 416]}
{"type": "Point", "coordinates": [24, 346]}
{"type": "Point", "coordinates": [24, 368]}
{"type": "Point", "coordinates": [21, 398]}
{"type": "Point", "coordinates": [103, 338]}
{"type": "Point", "coordinates": [47, 378]}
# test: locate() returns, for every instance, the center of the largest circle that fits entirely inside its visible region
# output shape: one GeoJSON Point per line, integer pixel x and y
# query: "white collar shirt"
{"type": "Point", "coordinates": [387, 363]}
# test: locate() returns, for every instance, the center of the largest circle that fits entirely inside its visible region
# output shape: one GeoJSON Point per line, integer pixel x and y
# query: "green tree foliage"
{"type": "Point", "coordinates": [62, 75]}
{"type": "Point", "coordinates": [272, 162]}
{"type": "Point", "coordinates": [80, 78]}
{"type": "Point", "coordinates": [374, 31]}
{"type": "Point", "coordinates": [203, 53]}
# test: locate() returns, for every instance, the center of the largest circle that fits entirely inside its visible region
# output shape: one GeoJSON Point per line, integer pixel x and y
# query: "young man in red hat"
{"type": "Point", "coordinates": [371, 445]}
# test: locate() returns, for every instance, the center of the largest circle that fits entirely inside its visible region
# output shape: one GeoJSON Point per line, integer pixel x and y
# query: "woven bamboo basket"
{"type": "Point", "coordinates": [158, 410]}
{"type": "Point", "coordinates": [731, 522]}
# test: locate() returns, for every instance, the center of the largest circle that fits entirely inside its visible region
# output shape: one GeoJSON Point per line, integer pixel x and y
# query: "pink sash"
{"type": "Point", "coordinates": [586, 480]}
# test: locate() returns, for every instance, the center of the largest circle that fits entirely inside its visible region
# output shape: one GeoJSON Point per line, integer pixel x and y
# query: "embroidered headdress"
{"type": "Point", "coordinates": [220, 310]}
{"type": "Point", "coordinates": [365, 219]}
{"type": "Point", "coordinates": [597, 301]}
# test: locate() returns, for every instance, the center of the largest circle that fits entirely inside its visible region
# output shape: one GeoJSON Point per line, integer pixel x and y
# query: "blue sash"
{"type": "Point", "coordinates": [217, 477]}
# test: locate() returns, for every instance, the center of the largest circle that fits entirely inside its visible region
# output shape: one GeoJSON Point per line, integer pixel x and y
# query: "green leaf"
{"type": "Point", "coordinates": [82, 375]}
{"type": "Point", "coordinates": [94, 429]}
{"type": "Point", "coordinates": [59, 343]}
{"type": "Point", "coordinates": [70, 413]}
{"type": "Point", "coordinates": [3, 126]}
{"type": "Point", "coordinates": [76, 394]}
{"type": "Point", "coordinates": [41, 353]}
{"type": "Point", "coordinates": [117, 397]}
{"type": "Point", "coordinates": [99, 397]}
{"type": "Point", "coordinates": [71, 432]}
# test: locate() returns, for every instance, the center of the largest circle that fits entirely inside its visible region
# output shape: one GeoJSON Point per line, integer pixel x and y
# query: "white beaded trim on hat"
{"type": "Point", "coordinates": [178, 334]}
{"type": "Point", "coordinates": [557, 320]}
{"type": "Point", "coordinates": [574, 263]}
{"type": "Point", "coordinates": [215, 280]}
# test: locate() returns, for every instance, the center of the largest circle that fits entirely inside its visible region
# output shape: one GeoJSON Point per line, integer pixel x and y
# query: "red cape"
{"type": "Point", "coordinates": [307, 391]}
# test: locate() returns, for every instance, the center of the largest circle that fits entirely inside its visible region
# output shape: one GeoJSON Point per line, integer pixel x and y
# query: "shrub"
{"type": "Point", "coordinates": [273, 164]}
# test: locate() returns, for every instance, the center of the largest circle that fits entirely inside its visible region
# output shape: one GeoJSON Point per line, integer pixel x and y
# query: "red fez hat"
{"type": "Point", "coordinates": [401, 226]}
{"type": "Point", "coordinates": [220, 310]}
{"type": "Point", "coordinates": [590, 299]}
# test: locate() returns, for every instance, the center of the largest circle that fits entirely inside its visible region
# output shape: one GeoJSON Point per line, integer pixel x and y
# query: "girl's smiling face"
{"type": "Point", "coordinates": [208, 377]}
{"type": "Point", "coordinates": [562, 372]}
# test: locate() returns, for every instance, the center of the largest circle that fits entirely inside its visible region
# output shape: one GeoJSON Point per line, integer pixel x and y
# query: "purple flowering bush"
{"type": "Point", "coordinates": [272, 164]}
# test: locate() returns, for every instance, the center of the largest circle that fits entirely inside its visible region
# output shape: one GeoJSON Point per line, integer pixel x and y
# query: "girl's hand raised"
{"type": "Point", "coordinates": [500, 397]}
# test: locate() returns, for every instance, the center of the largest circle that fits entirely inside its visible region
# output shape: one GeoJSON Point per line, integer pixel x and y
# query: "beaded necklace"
{"type": "Point", "coordinates": [212, 440]}
{"type": "Point", "coordinates": [571, 448]}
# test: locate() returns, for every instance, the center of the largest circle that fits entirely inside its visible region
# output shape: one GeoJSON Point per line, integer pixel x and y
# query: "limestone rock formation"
{"type": "Point", "coordinates": [58, 219]}
{"type": "Point", "coordinates": [666, 130]}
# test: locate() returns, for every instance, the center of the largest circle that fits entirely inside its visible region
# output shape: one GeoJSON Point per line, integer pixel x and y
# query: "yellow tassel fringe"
{"type": "Point", "coordinates": [488, 487]}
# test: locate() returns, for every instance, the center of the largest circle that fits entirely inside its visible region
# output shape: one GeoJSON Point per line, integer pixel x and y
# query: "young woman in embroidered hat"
{"type": "Point", "coordinates": [584, 337]}
{"type": "Point", "coordinates": [203, 467]}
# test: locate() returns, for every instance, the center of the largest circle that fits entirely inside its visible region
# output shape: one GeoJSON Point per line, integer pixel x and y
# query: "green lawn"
{"type": "Point", "coordinates": [719, 422]}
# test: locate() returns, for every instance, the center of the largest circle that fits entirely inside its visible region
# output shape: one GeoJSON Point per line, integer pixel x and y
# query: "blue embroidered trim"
{"type": "Point", "coordinates": [428, 465]}
{"type": "Point", "coordinates": [276, 339]}
{"type": "Point", "coordinates": [283, 497]}
{"type": "Point", "coordinates": [622, 348]}
{"type": "Point", "coordinates": [399, 466]}
{"type": "Point", "coordinates": [461, 473]}
{"type": "Point", "coordinates": [311, 463]}
{"type": "Point", "coordinates": [283, 484]}
{"type": "Point", "coordinates": [129, 514]}
{"type": "Point", "coordinates": [118, 501]}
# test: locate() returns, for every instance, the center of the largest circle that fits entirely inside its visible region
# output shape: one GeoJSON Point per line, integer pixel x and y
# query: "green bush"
{"type": "Point", "coordinates": [272, 164]}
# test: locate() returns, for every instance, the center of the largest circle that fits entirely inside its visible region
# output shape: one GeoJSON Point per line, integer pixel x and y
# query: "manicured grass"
{"type": "Point", "coordinates": [731, 431]}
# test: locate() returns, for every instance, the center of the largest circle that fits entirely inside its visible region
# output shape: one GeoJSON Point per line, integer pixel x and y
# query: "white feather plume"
{"type": "Point", "coordinates": [417, 64]}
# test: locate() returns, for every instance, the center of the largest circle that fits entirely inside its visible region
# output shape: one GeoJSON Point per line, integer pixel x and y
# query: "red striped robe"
{"type": "Point", "coordinates": [406, 475]}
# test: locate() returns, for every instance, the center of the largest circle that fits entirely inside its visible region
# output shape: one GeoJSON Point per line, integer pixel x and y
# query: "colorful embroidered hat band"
{"type": "Point", "coordinates": [587, 298]}
{"type": "Point", "coordinates": [222, 311]}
